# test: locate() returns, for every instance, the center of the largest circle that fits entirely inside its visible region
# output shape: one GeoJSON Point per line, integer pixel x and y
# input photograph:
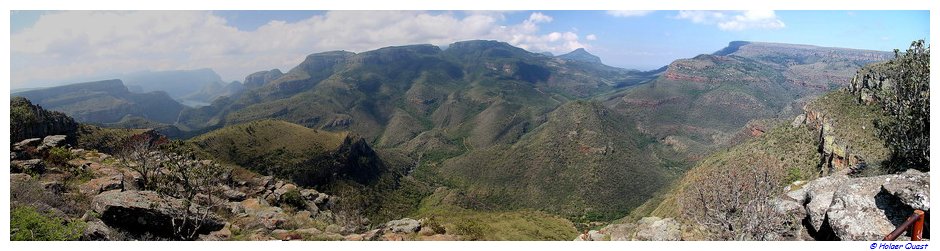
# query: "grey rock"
{"type": "Point", "coordinates": [596, 236]}
{"type": "Point", "coordinates": [26, 143]}
{"type": "Point", "coordinates": [147, 210]}
{"type": "Point", "coordinates": [309, 194]}
{"type": "Point", "coordinates": [657, 229]}
{"type": "Point", "coordinates": [283, 189]}
{"type": "Point", "coordinates": [321, 199]}
{"type": "Point", "coordinates": [819, 196]}
{"type": "Point", "coordinates": [267, 182]}
{"type": "Point", "coordinates": [52, 141]}
{"type": "Point", "coordinates": [34, 166]}
{"type": "Point", "coordinates": [270, 217]}
{"type": "Point", "coordinates": [798, 121]}
{"type": "Point", "coordinates": [620, 232]}
{"type": "Point", "coordinates": [96, 231]}
{"type": "Point", "coordinates": [791, 215]}
{"type": "Point", "coordinates": [788, 207]}
{"type": "Point", "coordinates": [859, 213]}
{"type": "Point", "coordinates": [406, 226]}
{"type": "Point", "coordinates": [798, 195]}
{"type": "Point", "coordinates": [912, 187]}
{"type": "Point", "coordinates": [98, 185]}
{"type": "Point", "coordinates": [233, 195]}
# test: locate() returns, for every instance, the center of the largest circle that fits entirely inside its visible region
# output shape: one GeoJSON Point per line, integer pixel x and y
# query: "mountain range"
{"type": "Point", "coordinates": [507, 128]}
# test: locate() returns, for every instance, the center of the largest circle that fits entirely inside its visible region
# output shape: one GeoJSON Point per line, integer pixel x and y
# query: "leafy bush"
{"type": "Point", "coordinates": [793, 174]}
{"type": "Point", "coordinates": [908, 133]}
{"type": "Point", "coordinates": [28, 224]}
{"type": "Point", "coordinates": [435, 225]}
{"type": "Point", "coordinates": [59, 156]}
{"type": "Point", "coordinates": [470, 229]}
{"type": "Point", "coordinates": [294, 199]}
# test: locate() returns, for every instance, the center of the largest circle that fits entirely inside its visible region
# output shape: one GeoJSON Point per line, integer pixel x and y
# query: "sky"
{"type": "Point", "coordinates": [58, 47]}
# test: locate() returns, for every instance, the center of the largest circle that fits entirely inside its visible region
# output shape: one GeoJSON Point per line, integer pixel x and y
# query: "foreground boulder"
{"type": "Point", "coordinates": [818, 198]}
{"type": "Point", "coordinates": [859, 209]}
{"type": "Point", "coordinates": [98, 185]}
{"type": "Point", "coordinates": [147, 211]}
{"type": "Point", "coordinates": [912, 188]}
{"type": "Point", "coordinates": [33, 166]}
{"type": "Point", "coordinates": [52, 141]}
{"type": "Point", "coordinates": [859, 213]}
{"type": "Point", "coordinates": [657, 229]}
{"type": "Point", "coordinates": [405, 226]}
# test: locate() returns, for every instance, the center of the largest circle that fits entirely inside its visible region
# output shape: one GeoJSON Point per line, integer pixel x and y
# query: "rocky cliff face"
{"type": "Point", "coordinates": [848, 139]}
{"type": "Point", "coordinates": [260, 78]}
{"type": "Point", "coordinates": [32, 121]}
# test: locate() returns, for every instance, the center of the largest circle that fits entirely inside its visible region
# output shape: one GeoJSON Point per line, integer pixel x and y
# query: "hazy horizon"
{"type": "Point", "coordinates": [237, 43]}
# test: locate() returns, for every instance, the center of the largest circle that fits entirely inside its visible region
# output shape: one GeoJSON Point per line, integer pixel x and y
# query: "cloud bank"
{"type": "Point", "coordinates": [87, 44]}
{"type": "Point", "coordinates": [734, 20]}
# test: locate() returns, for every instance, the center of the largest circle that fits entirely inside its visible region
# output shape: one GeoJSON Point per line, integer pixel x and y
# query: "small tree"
{"type": "Point", "coordinates": [734, 203]}
{"type": "Point", "coordinates": [139, 153]}
{"type": "Point", "coordinates": [172, 169]}
{"type": "Point", "coordinates": [195, 182]}
{"type": "Point", "coordinates": [907, 133]}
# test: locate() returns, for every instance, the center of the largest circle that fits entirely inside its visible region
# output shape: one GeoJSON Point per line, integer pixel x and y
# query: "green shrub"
{"type": "Point", "coordinates": [59, 156]}
{"type": "Point", "coordinates": [27, 224]}
{"type": "Point", "coordinates": [435, 225]}
{"type": "Point", "coordinates": [294, 199]}
{"type": "Point", "coordinates": [793, 174]}
{"type": "Point", "coordinates": [470, 229]}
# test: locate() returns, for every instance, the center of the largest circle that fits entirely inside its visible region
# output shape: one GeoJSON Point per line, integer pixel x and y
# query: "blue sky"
{"type": "Point", "coordinates": [85, 45]}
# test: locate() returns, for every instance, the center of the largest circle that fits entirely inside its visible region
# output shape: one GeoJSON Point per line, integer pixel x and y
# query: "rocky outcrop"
{"type": "Point", "coordinates": [871, 84]}
{"type": "Point", "coordinates": [912, 188]}
{"type": "Point", "coordinates": [819, 197]}
{"type": "Point", "coordinates": [96, 230]}
{"type": "Point", "coordinates": [147, 211]}
{"type": "Point", "coordinates": [860, 209]}
{"type": "Point", "coordinates": [32, 121]}
{"type": "Point", "coordinates": [34, 166]}
{"type": "Point", "coordinates": [97, 185]}
{"type": "Point", "coordinates": [657, 229]}
{"type": "Point", "coordinates": [260, 211]}
{"type": "Point", "coordinates": [52, 141]}
{"type": "Point", "coordinates": [646, 229]}
{"type": "Point", "coordinates": [260, 78]}
{"type": "Point", "coordinates": [859, 212]}
{"type": "Point", "coordinates": [405, 226]}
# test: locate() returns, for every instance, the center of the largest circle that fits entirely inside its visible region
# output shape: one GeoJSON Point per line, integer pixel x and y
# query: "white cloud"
{"type": "Point", "coordinates": [538, 17]}
{"type": "Point", "coordinates": [85, 44]}
{"type": "Point", "coordinates": [734, 20]}
{"type": "Point", "coordinates": [629, 13]}
{"type": "Point", "coordinates": [591, 37]}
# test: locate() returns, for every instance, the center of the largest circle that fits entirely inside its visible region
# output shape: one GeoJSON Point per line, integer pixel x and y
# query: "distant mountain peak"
{"type": "Point", "coordinates": [732, 47]}
{"type": "Point", "coordinates": [582, 55]}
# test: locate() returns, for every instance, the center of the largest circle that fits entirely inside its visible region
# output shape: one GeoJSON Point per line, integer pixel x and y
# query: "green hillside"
{"type": "Point", "coordinates": [585, 160]}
